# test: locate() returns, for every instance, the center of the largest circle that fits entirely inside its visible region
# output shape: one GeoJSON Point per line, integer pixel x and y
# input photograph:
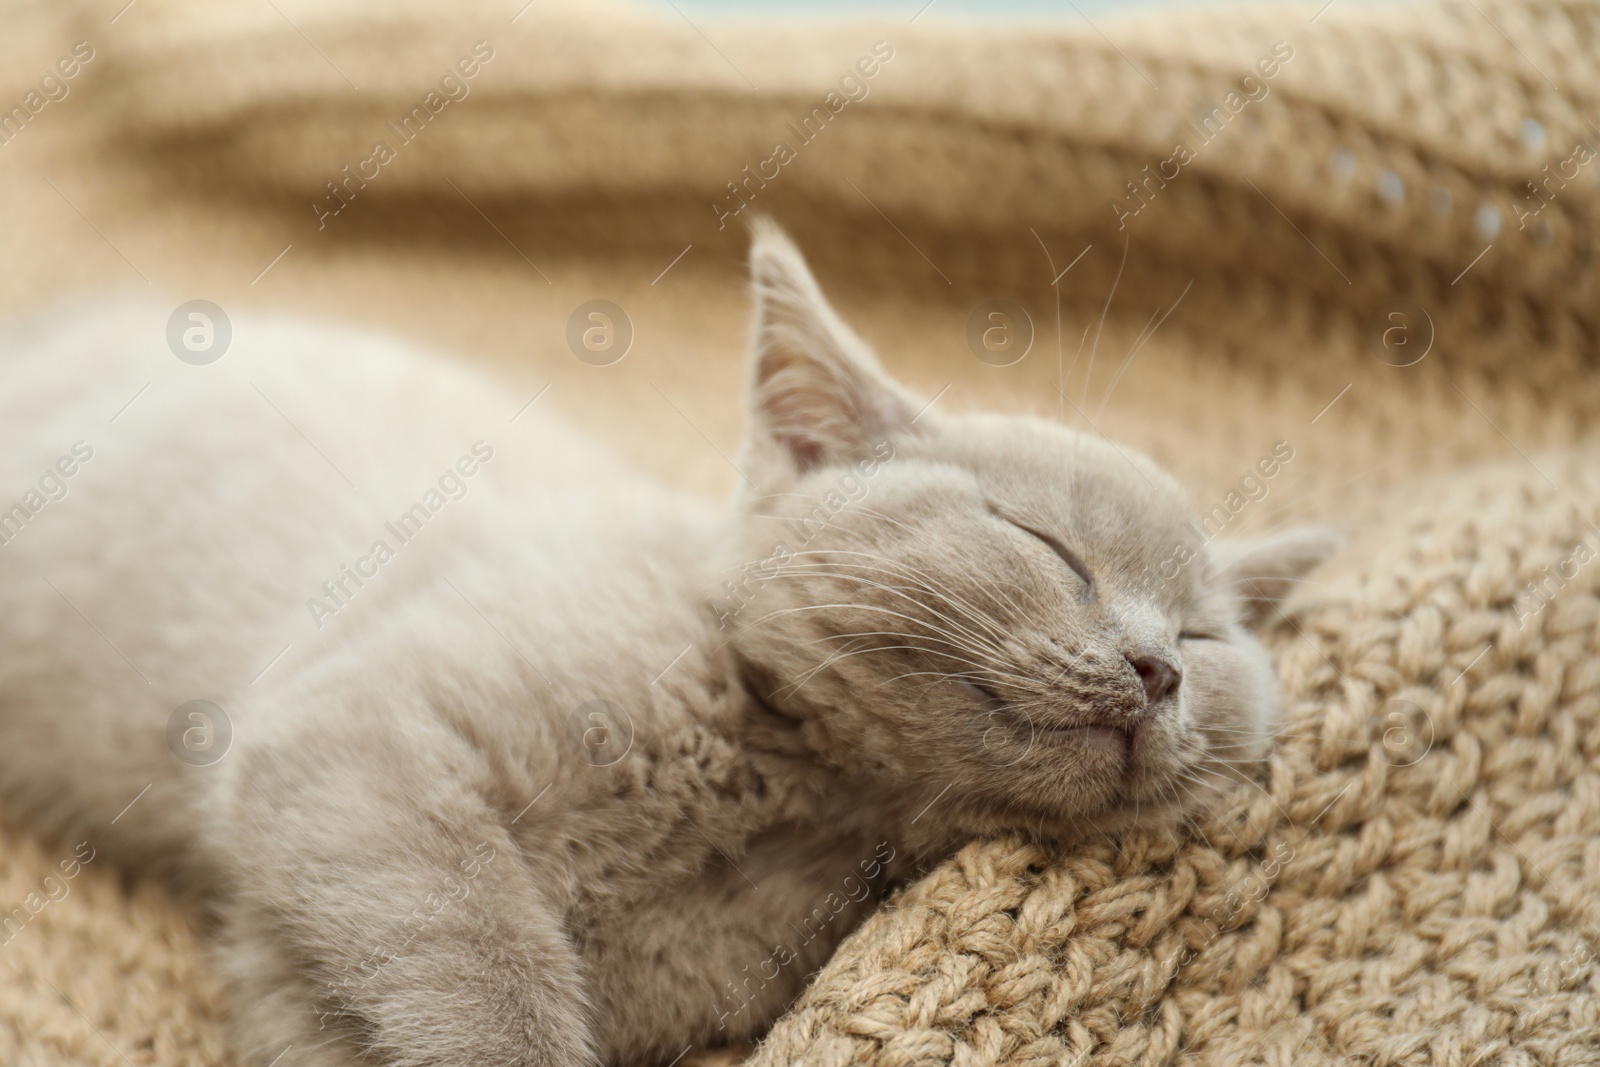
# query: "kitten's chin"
{"type": "Point", "coordinates": [1122, 799]}
{"type": "Point", "coordinates": [1097, 752]}
{"type": "Point", "coordinates": [1152, 782]}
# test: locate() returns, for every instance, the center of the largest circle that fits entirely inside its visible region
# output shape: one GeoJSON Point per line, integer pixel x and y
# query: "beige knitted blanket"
{"type": "Point", "coordinates": [1366, 231]}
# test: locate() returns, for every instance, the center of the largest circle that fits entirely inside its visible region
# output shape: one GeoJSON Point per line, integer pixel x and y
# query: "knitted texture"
{"type": "Point", "coordinates": [1399, 139]}
{"type": "Point", "coordinates": [1414, 879]}
{"type": "Point", "coordinates": [96, 974]}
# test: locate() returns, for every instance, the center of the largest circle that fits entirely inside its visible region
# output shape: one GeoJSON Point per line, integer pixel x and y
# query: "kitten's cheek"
{"type": "Point", "coordinates": [1182, 717]}
{"type": "Point", "coordinates": [1264, 709]}
{"type": "Point", "coordinates": [1255, 709]}
{"type": "Point", "coordinates": [1232, 695]}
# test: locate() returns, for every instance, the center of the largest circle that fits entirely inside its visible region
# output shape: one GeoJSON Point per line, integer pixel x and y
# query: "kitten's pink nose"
{"type": "Point", "coordinates": [1159, 677]}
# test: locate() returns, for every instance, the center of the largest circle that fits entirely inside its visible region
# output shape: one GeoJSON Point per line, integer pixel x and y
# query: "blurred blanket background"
{"type": "Point", "coordinates": [1365, 233]}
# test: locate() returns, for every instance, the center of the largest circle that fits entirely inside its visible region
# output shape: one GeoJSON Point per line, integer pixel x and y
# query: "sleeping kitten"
{"type": "Point", "coordinates": [514, 757]}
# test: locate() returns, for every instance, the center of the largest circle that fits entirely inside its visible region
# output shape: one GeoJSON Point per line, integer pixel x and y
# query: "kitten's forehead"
{"type": "Point", "coordinates": [1118, 506]}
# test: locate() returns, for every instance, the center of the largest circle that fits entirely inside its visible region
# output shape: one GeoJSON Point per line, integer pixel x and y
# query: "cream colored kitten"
{"type": "Point", "coordinates": [525, 759]}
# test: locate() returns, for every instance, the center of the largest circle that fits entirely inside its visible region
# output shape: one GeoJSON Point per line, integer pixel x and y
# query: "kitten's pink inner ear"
{"type": "Point", "coordinates": [819, 392]}
{"type": "Point", "coordinates": [807, 454]}
{"type": "Point", "coordinates": [787, 405]}
{"type": "Point", "coordinates": [821, 406]}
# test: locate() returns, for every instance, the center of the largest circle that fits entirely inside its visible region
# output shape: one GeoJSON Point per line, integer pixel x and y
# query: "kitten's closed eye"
{"type": "Point", "coordinates": [1067, 556]}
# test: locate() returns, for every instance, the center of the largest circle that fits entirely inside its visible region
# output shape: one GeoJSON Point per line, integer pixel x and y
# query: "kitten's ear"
{"type": "Point", "coordinates": [818, 395]}
{"type": "Point", "coordinates": [1262, 571]}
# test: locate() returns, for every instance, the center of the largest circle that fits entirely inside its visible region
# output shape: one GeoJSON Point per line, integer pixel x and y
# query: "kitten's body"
{"type": "Point", "coordinates": [424, 847]}
{"type": "Point", "coordinates": [598, 588]}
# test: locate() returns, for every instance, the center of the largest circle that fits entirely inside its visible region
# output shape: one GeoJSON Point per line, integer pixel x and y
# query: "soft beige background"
{"type": "Point", "coordinates": [190, 149]}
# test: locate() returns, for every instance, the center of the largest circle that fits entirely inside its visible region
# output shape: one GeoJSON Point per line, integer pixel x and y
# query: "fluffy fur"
{"type": "Point", "coordinates": [588, 769]}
